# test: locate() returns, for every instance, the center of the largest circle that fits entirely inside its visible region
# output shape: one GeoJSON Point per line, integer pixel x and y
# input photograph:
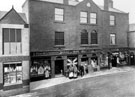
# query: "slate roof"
{"type": "Point", "coordinates": [74, 3]}
{"type": "Point", "coordinates": [111, 9]}
{"type": "Point", "coordinates": [4, 13]}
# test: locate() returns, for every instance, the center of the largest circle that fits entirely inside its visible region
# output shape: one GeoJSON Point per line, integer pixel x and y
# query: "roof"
{"type": "Point", "coordinates": [4, 13]}
{"type": "Point", "coordinates": [112, 9]}
{"type": "Point", "coordinates": [76, 2]}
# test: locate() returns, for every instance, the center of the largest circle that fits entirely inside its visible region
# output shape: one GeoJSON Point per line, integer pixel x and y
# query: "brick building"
{"type": "Point", "coordinates": [69, 32]}
{"type": "Point", "coordinates": [14, 53]}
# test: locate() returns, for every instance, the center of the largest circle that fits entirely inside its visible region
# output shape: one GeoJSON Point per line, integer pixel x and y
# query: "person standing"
{"type": "Point", "coordinates": [82, 70]}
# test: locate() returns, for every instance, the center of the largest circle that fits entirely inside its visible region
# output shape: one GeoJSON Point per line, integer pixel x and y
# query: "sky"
{"type": "Point", "coordinates": [123, 5]}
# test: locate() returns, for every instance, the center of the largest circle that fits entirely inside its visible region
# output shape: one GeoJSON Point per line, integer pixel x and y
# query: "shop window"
{"type": "Point", "coordinates": [113, 39]}
{"type": "Point", "coordinates": [93, 18]}
{"type": "Point", "coordinates": [112, 20]}
{"type": "Point", "coordinates": [11, 41]}
{"type": "Point", "coordinates": [40, 69]}
{"type": "Point", "coordinates": [59, 14]}
{"type": "Point", "coordinates": [84, 37]}
{"type": "Point", "coordinates": [59, 38]}
{"type": "Point", "coordinates": [94, 37]}
{"type": "Point", "coordinates": [12, 73]}
{"type": "Point", "coordinates": [83, 17]}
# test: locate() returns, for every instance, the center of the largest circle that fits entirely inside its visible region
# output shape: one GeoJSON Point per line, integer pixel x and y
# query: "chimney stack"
{"type": "Point", "coordinates": [108, 4]}
{"type": "Point", "coordinates": [65, 2]}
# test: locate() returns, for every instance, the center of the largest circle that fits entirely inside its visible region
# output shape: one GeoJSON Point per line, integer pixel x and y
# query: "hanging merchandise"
{"type": "Point", "coordinates": [40, 70]}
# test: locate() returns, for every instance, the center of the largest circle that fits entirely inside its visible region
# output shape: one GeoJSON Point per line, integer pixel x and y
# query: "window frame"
{"type": "Point", "coordinates": [10, 43]}
{"type": "Point", "coordinates": [56, 39]}
{"type": "Point", "coordinates": [111, 40]}
{"type": "Point", "coordinates": [112, 20]}
{"type": "Point", "coordinates": [60, 15]}
{"type": "Point", "coordinates": [93, 18]}
{"type": "Point", "coordinates": [95, 39]}
{"type": "Point", "coordinates": [84, 17]}
{"type": "Point", "coordinates": [17, 72]}
{"type": "Point", "coordinates": [84, 31]}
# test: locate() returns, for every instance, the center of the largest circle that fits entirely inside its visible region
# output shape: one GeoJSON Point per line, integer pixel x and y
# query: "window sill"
{"type": "Point", "coordinates": [85, 45]}
{"type": "Point", "coordinates": [13, 84]}
{"type": "Point", "coordinates": [61, 22]}
{"type": "Point", "coordinates": [59, 46]}
{"type": "Point", "coordinates": [112, 25]}
{"type": "Point", "coordinates": [12, 55]}
{"type": "Point", "coordinates": [88, 24]}
{"type": "Point", "coordinates": [89, 45]}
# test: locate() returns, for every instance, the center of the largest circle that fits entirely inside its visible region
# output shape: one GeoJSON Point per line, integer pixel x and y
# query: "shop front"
{"type": "Point", "coordinates": [40, 68]}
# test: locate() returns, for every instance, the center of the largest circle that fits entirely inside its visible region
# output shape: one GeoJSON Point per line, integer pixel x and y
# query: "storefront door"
{"type": "Point", "coordinates": [132, 59]}
{"type": "Point", "coordinates": [59, 67]}
{"type": "Point", "coordinates": [114, 61]}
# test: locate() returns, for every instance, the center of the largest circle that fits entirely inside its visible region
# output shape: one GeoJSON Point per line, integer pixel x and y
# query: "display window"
{"type": "Point", "coordinates": [104, 60]}
{"type": "Point", "coordinates": [122, 58]}
{"type": "Point", "coordinates": [12, 73]}
{"type": "Point", "coordinates": [40, 68]}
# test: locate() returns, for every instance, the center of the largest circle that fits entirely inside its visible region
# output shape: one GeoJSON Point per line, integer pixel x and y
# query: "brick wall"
{"type": "Point", "coordinates": [43, 26]}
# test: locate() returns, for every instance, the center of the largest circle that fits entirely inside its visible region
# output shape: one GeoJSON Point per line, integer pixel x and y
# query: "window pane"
{"type": "Point", "coordinates": [112, 39]}
{"type": "Point", "coordinates": [84, 37]}
{"type": "Point", "coordinates": [13, 47]}
{"type": "Point", "coordinates": [93, 21]}
{"type": "Point", "coordinates": [58, 17]}
{"type": "Point", "coordinates": [93, 15]}
{"type": "Point", "coordinates": [94, 37]}
{"type": "Point", "coordinates": [83, 17]}
{"type": "Point", "coordinates": [19, 77]}
{"type": "Point", "coordinates": [112, 23]}
{"type": "Point", "coordinates": [6, 48]}
{"type": "Point", "coordinates": [12, 73]}
{"type": "Point", "coordinates": [83, 14]}
{"type": "Point", "coordinates": [112, 18]}
{"type": "Point", "coordinates": [18, 47]}
{"type": "Point", "coordinates": [19, 67]}
{"type": "Point", "coordinates": [18, 35]}
{"type": "Point", "coordinates": [83, 20]}
{"type": "Point", "coordinates": [59, 11]}
{"type": "Point", "coordinates": [59, 38]}
{"type": "Point", "coordinates": [6, 35]}
{"type": "Point", "coordinates": [12, 35]}
{"type": "Point", "coordinates": [59, 14]}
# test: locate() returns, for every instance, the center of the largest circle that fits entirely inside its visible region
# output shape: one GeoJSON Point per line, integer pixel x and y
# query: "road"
{"type": "Point", "coordinates": [114, 85]}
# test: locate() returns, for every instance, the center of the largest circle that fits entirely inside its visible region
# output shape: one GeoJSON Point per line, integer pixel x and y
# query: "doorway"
{"type": "Point", "coordinates": [132, 61]}
{"type": "Point", "coordinates": [59, 67]}
{"type": "Point", "coordinates": [114, 61]}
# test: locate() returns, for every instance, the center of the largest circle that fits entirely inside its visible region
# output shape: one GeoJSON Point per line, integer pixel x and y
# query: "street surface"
{"type": "Point", "coordinates": [120, 84]}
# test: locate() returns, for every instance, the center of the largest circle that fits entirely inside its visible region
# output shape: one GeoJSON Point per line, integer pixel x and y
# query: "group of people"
{"type": "Point", "coordinates": [73, 71]}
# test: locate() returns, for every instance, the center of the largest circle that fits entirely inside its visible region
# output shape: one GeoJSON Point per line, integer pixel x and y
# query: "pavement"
{"type": "Point", "coordinates": [44, 84]}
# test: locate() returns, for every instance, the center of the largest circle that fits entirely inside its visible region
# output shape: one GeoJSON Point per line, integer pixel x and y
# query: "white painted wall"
{"type": "Point", "coordinates": [25, 39]}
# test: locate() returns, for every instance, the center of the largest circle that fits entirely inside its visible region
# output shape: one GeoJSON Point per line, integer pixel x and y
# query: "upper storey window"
{"type": "Point", "coordinates": [83, 17]}
{"type": "Point", "coordinates": [112, 20]}
{"type": "Point", "coordinates": [94, 37]}
{"type": "Point", "coordinates": [59, 14]}
{"type": "Point", "coordinates": [113, 39]}
{"type": "Point", "coordinates": [59, 38]}
{"type": "Point", "coordinates": [11, 41]}
{"type": "Point", "coordinates": [93, 18]}
{"type": "Point", "coordinates": [84, 37]}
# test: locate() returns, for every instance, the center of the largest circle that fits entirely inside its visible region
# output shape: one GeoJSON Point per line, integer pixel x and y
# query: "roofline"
{"type": "Point", "coordinates": [10, 11]}
{"type": "Point", "coordinates": [24, 3]}
{"type": "Point", "coordinates": [115, 12]}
